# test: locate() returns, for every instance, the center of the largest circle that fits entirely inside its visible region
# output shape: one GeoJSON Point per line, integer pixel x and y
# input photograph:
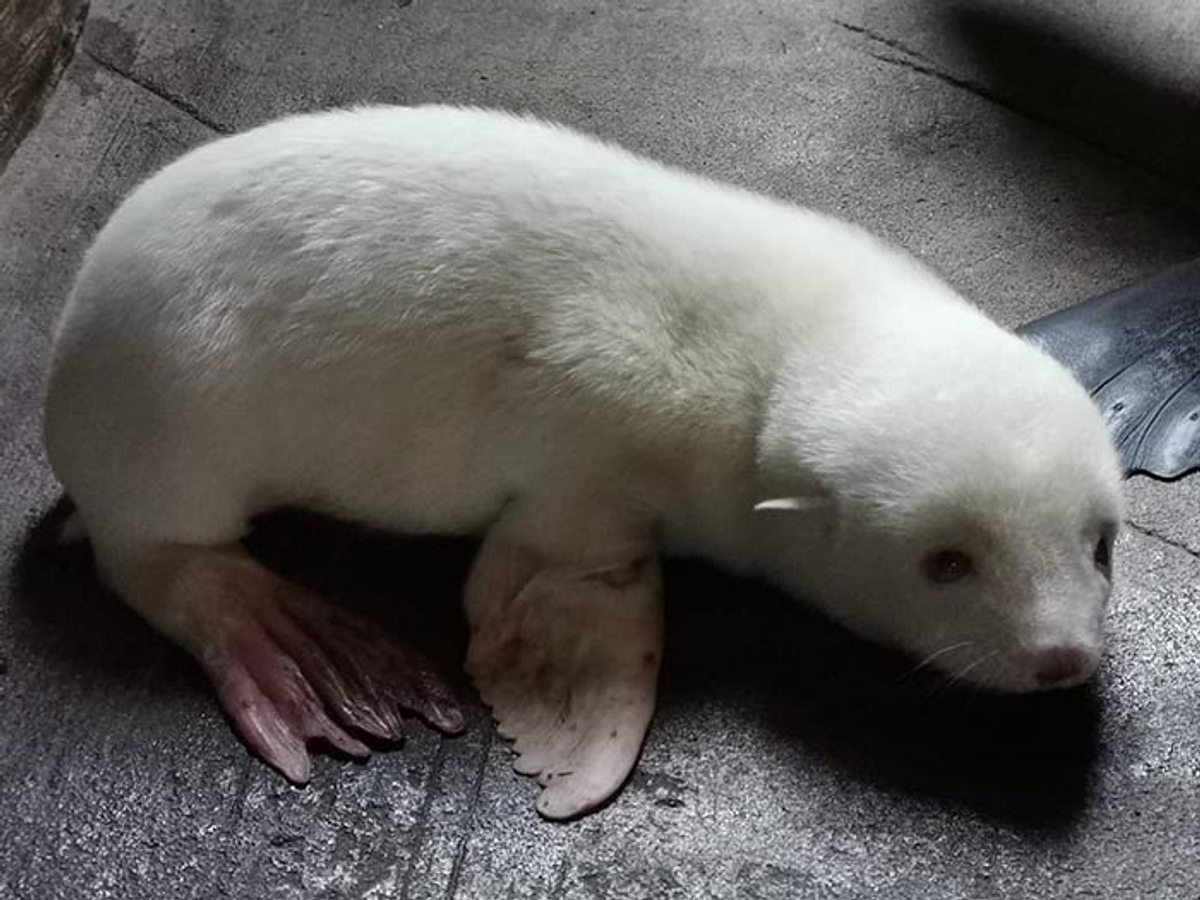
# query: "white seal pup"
{"type": "Point", "coordinates": [451, 320]}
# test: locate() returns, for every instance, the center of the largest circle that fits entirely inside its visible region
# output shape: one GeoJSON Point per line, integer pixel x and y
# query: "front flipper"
{"type": "Point", "coordinates": [567, 657]}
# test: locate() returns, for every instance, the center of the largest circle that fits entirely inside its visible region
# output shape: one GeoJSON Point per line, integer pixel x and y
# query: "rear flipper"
{"type": "Point", "coordinates": [567, 656]}
{"type": "Point", "coordinates": [288, 668]}
{"type": "Point", "coordinates": [1137, 351]}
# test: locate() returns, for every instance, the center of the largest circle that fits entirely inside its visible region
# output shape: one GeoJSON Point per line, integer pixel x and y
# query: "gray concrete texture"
{"type": "Point", "coordinates": [1035, 152]}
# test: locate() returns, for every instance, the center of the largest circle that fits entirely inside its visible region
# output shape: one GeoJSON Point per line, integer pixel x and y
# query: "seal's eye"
{"type": "Point", "coordinates": [1102, 556]}
{"type": "Point", "coordinates": [946, 565]}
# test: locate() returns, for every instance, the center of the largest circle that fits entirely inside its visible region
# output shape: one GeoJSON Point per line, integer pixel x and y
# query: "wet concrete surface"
{"type": "Point", "coordinates": [787, 760]}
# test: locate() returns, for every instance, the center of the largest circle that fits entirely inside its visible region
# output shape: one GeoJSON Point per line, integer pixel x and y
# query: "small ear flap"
{"type": "Point", "coordinates": [791, 504]}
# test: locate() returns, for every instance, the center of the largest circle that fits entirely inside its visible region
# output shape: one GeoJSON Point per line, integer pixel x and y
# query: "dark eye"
{"type": "Point", "coordinates": [946, 566]}
{"type": "Point", "coordinates": [1102, 556]}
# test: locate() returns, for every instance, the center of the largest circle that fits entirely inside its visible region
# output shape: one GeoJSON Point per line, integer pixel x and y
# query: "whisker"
{"type": "Point", "coordinates": [967, 668]}
{"type": "Point", "coordinates": [957, 676]}
{"type": "Point", "coordinates": [932, 656]}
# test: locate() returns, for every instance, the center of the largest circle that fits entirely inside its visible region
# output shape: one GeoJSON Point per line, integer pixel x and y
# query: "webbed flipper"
{"type": "Point", "coordinates": [567, 657]}
{"type": "Point", "coordinates": [290, 670]}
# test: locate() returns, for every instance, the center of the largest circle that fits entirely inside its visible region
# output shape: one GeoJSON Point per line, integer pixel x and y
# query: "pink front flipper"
{"type": "Point", "coordinates": [289, 669]}
{"type": "Point", "coordinates": [568, 661]}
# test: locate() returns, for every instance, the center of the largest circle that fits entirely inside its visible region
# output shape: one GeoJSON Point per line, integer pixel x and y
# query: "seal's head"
{"type": "Point", "coordinates": [957, 502]}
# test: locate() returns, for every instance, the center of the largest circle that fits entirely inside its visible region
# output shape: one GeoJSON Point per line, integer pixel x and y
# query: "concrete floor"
{"type": "Point", "coordinates": [37, 38]}
{"type": "Point", "coordinates": [1034, 153]}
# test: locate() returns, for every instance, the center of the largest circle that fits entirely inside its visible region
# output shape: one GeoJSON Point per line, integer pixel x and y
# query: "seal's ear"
{"type": "Point", "coordinates": [811, 497]}
{"type": "Point", "coordinates": [818, 507]}
{"type": "Point", "coordinates": [791, 504]}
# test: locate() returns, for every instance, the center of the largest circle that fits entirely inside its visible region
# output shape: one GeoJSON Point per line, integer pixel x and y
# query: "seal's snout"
{"type": "Point", "coordinates": [1062, 666]}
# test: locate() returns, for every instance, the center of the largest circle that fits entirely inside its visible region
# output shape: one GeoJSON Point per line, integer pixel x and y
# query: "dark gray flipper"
{"type": "Point", "coordinates": [1137, 350]}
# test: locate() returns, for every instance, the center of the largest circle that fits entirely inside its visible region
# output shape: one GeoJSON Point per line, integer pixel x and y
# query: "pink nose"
{"type": "Point", "coordinates": [1062, 666]}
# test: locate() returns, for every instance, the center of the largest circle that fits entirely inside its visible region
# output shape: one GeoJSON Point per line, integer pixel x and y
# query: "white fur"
{"type": "Point", "coordinates": [414, 316]}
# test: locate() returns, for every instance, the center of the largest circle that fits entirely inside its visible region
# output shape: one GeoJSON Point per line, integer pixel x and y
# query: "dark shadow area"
{"type": "Point", "coordinates": [1036, 63]}
{"type": "Point", "coordinates": [1135, 189]}
{"type": "Point", "coordinates": [75, 624]}
{"type": "Point", "coordinates": [409, 586]}
{"type": "Point", "coordinates": [1025, 760]}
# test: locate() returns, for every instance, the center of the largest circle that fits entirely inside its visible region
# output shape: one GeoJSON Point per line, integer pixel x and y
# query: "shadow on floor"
{"type": "Point", "coordinates": [1041, 64]}
{"type": "Point", "coordinates": [1025, 760]}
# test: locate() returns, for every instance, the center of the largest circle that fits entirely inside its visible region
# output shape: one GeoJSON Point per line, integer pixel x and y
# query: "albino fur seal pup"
{"type": "Point", "coordinates": [452, 320]}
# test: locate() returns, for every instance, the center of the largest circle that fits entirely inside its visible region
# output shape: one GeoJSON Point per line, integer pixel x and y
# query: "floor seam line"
{"type": "Point", "coordinates": [184, 106]}
{"type": "Point", "coordinates": [460, 853]}
{"type": "Point", "coordinates": [1158, 535]}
